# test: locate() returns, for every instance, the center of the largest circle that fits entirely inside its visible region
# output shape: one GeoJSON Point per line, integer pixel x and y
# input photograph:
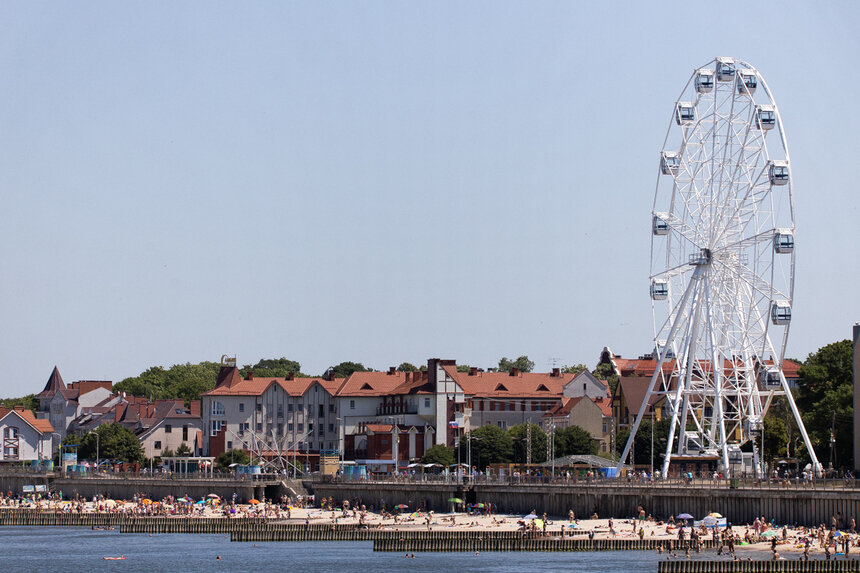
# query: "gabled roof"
{"type": "Point", "coordinates": [634, 389]}
{"type": "Point", "coordinates": [371, 383]}
{"type": "Point", "coordinates": [55, 384]}
{"type": "Point", "coordinates": [508, 385]}
{"type": "Point", "coordinates": [232, 384]}
{"type": "Point", "coordinates": [41, 426]}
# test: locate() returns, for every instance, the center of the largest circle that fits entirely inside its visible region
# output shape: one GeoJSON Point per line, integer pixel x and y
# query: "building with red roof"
{"type": "Point", "coordinates": [25, 437]}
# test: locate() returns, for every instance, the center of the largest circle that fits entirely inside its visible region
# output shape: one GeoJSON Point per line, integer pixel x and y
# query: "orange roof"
{"type": "Point", "coordinates": [257, 386]}
{"type": "Point", "coordinates": [506, 385]}
{"type": "Point", "coordinates": [645, 366]}
{"type": "Point", "coordinates": [371, 384]}
{"type": "Point", "coordinates": [41, 426]}
{"type": "Point", "coordinates": [379, 428]}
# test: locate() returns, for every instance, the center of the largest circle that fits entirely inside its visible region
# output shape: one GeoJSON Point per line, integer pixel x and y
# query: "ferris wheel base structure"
{"type": "Point", "coordinates": [722, 270]}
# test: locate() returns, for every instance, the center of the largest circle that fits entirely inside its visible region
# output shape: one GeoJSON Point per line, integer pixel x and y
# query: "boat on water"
{"type": "Point", "coordinates": [120, 558]}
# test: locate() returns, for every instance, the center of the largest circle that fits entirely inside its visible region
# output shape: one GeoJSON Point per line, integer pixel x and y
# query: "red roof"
{"type": "Point", "coordinates": [41, 426]}
{"type": "Point", "coordinates": [55, 384]}
{"type": "Point", "coordinates": [234, 385]}
{"type": "Point", "coordinates": [372, 384]}
{"type": "Point", "coordinates": [508, 385]}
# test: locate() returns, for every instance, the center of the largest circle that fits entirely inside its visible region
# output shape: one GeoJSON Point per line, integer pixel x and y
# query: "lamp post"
{"type": "Point", "coordinates": [59, 447]}
{"type": "Point", "coordinates": [340, 441]}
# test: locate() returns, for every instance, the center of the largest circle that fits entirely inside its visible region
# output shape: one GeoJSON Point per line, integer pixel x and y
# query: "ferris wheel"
{"type": "Point", "coordinates": [722, 268]}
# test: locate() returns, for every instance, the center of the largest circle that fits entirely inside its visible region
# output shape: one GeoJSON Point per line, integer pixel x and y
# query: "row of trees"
{"type": "Point", "coordinates": [492, 445]}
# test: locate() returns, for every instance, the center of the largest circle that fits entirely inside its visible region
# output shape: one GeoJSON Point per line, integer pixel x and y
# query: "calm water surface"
{"type": "Point", "coordinates": [63, 550]}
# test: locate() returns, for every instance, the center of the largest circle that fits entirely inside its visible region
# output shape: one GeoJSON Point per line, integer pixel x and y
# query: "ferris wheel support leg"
{"type": "Point", "coordinates": [718, 383]}
{"type": "Point", "coordinates": [816, 465]}
{"type": "Point", "coordinates": [658, 370]}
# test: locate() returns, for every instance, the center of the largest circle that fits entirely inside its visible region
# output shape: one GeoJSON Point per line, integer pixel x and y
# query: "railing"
{"type": "Point", "coordinates": [840, 484]}
{"type": "Point", "coordinates": [145, 475]}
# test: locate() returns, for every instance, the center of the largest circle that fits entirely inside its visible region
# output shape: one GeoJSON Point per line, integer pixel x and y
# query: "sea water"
{"type": "Point", "coordinates": [69, 549]}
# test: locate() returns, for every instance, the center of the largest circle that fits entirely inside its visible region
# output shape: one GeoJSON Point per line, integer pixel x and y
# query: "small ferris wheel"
{"type": "Point", "coordinates": [722, 268]}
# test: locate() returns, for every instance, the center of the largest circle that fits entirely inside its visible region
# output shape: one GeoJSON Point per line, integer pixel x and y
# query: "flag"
{"type": "Point", "coordinates": [454, 424]}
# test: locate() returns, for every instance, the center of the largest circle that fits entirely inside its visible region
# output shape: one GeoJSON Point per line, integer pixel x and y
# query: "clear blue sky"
{"type": "Point", "coordinates": [380, 181]}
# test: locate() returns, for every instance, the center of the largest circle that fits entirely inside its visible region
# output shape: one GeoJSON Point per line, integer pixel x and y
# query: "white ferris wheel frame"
{"type": "Point", "coordinates": [722, 287]}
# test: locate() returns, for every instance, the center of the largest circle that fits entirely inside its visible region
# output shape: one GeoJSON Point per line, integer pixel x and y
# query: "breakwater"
{"type": "Point", "coordinates": [844, 566]}
{"type": "Point", "coordinates": [789, 506]}
{"type": "Point", "coordinates": [477, 542]}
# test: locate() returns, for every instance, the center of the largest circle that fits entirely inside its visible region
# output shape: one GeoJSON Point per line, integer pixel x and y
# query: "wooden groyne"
{"type": "Point", "coordinates": [844, 566]}
{"type": "Point", "coordinates": [293, 532]}
{"type": "Point", "coordinates": [476, 542]}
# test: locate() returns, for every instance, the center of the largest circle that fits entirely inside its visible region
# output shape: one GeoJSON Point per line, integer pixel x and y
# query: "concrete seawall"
{"type": "Point", "coordinates": [790, 506]}
{"type": "Point", "coordinates": [157, 488]}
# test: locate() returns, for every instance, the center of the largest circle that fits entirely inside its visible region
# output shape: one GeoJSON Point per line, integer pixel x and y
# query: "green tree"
{"type": "Point", "coordinates": [273, 368]}
{"type": "Point", "coordinates": [407, 367]}
{"type": "Point", "coordinates": [538, 442]}
{"type": "Point", "coordinates": [344, 369]}
{"type": "Point", "coordinates": [574, 440]}
{"type": "Point", "coordinates": [574, 369]}
{"type": "Point", "coordinates": [439, 454]}
{"type": "Point", "coordinates": [642, 442]}
{"type": "Point", "coordinates": [825, 396]}
{"type": "Point", "coordinates": [183, 450]}
{"type": "Point", "coordinates": [523, 364]}
{"type": "Point", "coordinates": [490, 445]}
{"type": "Point", "coordinates": [605, 372]}
{"type": "Point", "coordinates": [115, 442]}
{"type": "Point", "coordinates": [240, 457]}
{"type": "Point", "coordinates": [463, 368]}
{"type": "Point", "coordinates": [30, 402]}
{"type": "Point", "coordinates": [180, 381]}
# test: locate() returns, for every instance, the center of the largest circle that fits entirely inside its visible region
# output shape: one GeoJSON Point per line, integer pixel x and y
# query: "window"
{"type": "Point", "coordinates": [229, 445]}
{"type": "Point", "coordinates": [299, 407]}
{"type": "Point", "coordinates": [215, 427]}
{"type": "Point", "coordinates": [290, 427]}
{"type": "Point", "coordinates": [290, 407]}
{"type": "Point", "coordinates": [241, 406]}
{"type": "Point", "coordinates": [280, 410]}
{"type": "Point", "coordinates": [502, 424]}
{"type": "Point", "coordinates": [310, 429]}
{"type": "Point", "coordinates": [10, 433]}
{"type": "Point", "coordinates": [352, 404]}
{"type": "Point", "coordinates": [259, 406]}
{"type": "Point", "coordinates": [331, 427]}
{"type": "Point", "coordinates": [259, 426]}
{"type": "Point", "coordinates": [321, 411]}
{"type": "Point", "coordinates": [168, 429]}
{"type": "Point", "coordinates": [185, 432]}
{"type": "Point", "coordinates": [426, 402]}
{"type": "Point", "coordinates": [330, 446]}
{"type": "Point", "coordinates": [331, 408]}
{"type": "Point", "coordinates": [280, 429]}
{"type": "Point", "coordinates": [157, 445]}
{"type": "Point", "coordinates": [10, 452]}
{"type": "Point", "coordinates": [217, 408]}
{"type": "Point", "coordinates": [301, 427]}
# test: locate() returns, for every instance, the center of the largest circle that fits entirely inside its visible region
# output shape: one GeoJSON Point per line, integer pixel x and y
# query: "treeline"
{"type": "Point", "coordinates": [492, 445]}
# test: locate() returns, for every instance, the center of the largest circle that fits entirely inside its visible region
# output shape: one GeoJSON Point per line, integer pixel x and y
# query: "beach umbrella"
{"type": "Point", "coordinates": [185, 499]}
{"type": "Point", "coordinates": [201, 502]}
{"type": "Point", "coordinates": [770, 533]}
{"type": "Point", "coordinates": [530, 516]}
{"type": "Point", "coordinates": [838, 534]}
{"type": "Point", "coordinates": [415, 514]}
{"type": "Point", "coordinates": [455, 500]}
{"type": "Point", "coordinates": [715, 514]}
{"type": "Point", "coordinates": [213, 496]}
{"type": "Point", "coordinates": [684, 516]}
{"type": "Point", "coordinates": [402, 506]}
{"type": "Point", "coordinates": [146, 501]}
{"type": "Point", "coordinates": [481, 505]}
{"type": "Point", "coordinates": [253, 501]}
{"type": "Point", "coordinates": [709, 521]}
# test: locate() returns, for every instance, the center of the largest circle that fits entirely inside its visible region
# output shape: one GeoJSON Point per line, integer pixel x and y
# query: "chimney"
{"type": "Point", "coordinates": [556, 372]}
{"type": "Point", "coordinates": [392, 370]}
{"type": "Point", "coordinates": [473, 371]}
{"type": "Point", "coordinates": [515, 372]}
{"type": "Point", "coordinates": [19, 408]}
{"type": "Point", "coordinates": [195, 408]}
{"type": "Point", "coordinates": [289, 376]}
{"type": "Point", "coordinates": [250, 375]}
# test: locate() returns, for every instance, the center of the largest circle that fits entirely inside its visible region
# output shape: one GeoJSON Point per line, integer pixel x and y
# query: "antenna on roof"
{"type": "Point", "coordinates": [554, 362]}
